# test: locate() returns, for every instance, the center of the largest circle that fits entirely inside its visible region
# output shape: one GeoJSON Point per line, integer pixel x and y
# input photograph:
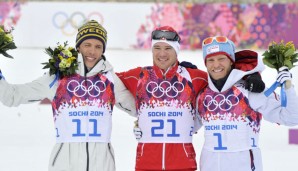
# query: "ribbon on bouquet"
{"type": "Point", "coordinates": [283, 94]}
{"type": "Point", "coordinates": [57, 75]}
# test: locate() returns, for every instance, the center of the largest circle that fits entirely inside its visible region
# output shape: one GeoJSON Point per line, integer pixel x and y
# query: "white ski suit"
{"type": "Point", "coordinates": [82, 110]}
{"type": "Point", "coordinates": [231, 120]}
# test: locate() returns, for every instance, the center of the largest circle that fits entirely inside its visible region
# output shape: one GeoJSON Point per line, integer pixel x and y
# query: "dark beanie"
{"type": "Point", "coordinates": [92, 30]}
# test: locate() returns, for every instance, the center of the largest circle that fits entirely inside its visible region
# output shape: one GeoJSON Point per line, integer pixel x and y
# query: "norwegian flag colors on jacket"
{"type": "Point", "coordinates": [165, 105]}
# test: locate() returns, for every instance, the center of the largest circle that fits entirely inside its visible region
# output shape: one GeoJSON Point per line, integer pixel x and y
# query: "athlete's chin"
{"type": "Point", "coordinates": [217, 76]}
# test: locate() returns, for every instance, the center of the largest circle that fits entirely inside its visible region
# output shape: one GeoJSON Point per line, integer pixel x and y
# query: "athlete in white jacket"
{"type": "Point", "coordinates": [82, 105]}
{"type": "Point", "coordinates": [231, 115]}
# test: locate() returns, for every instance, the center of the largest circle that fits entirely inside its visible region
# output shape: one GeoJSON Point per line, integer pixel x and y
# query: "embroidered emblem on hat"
{"type": "Point", "coordinates": [212, 49]}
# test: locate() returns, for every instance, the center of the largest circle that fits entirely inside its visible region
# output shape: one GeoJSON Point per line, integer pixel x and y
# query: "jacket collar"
{"type": "Point", "coordinates": [100, 67]}
{"type": "Point", "coordinates": [170, 72]}
{"type": "Point", "coordinates": [235, 76]}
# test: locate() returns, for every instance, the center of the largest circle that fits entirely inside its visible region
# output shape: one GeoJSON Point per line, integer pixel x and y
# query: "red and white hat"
{"type": "Point", "coordinates": [167, 35]}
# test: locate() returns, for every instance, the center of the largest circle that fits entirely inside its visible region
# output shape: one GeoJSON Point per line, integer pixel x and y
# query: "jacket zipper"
{"type": "Point", "coordinates": [87, 145]}
{"type": "Point", "coordinates": [87, 151]}
{"type": "Point", "coordinates": [109, 145]}
{"type": "Point", "coordinates": [164, 145]}
{"type": "Point", "coordinates": [56, 156]}
{"type": "Point", "coordinates": [163, 156]}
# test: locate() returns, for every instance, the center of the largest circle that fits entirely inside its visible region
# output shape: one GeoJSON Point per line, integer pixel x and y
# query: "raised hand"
{"type": "Point", "coordinates": [284, 76]}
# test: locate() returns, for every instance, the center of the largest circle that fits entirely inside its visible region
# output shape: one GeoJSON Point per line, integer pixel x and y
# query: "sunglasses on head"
{"type": "Point", "coordinates": [167, 35]}
{"type": "Point", "coordinates": [218, 39]}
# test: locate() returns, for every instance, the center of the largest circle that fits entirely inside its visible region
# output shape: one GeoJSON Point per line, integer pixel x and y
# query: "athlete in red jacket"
{"type": "Point", "coordinates": [165, 95]}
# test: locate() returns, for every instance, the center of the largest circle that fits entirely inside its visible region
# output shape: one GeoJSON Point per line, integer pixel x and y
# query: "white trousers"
{"type": "Point", "coordinates": [82, 157]}
{"type": "Point", "coordinates": [230, 161]}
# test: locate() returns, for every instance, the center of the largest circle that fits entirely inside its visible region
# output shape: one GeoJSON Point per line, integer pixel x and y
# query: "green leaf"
{"type": "Point", "coordinates": [268, 63]}
{"type": "Point", "coordinates": [45, 67]}
{"type": "Point", "coordinates": [13, 46]}
{"type": "Point", "coordinates": [289, 52]}
{"type": "Point", "coordinates": [294, 60]}
{"type": "Point", "coordinates": [9, 46]}
{"type": "Point", "coordinates": [272, 61]}
{"type": "Point", "coordinates": [288, 64]}
{"type": "Point", "coordinates": [6, 54]}
{"type": "Point", "coordinates": [294, 56]}
{"type": "Point", "coordinates": [1, 40]}
{"type": "Point", "coordinates": [280, 60]}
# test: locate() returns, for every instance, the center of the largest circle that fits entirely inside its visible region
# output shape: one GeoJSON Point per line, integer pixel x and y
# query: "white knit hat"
{"type": "Point", "coordinates": [174, 44]}
{"type": "Point", "coordinates": [161, 36]}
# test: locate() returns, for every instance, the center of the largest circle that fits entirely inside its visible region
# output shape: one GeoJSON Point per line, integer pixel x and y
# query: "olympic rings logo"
{"type": "Point", "coordinates": [80, 90]}
{"type": "Point", "coordinates": [70, 24]}
{"type": "Point", "coordinates": [164, 88]}
{"type": "Point", "coordinates": [221, 102]}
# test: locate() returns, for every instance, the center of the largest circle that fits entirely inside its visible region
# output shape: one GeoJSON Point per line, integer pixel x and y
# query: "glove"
{"type": "Point", "coordinates": [137, 131]}
{"type": "Point", "coordinates": [188, 65]}
{"type": "Point", "coordinates": [254, 83]}
{"type": "Point", "coordinates": [283, 76]}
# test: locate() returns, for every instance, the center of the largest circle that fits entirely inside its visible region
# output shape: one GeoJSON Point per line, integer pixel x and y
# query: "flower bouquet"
{"type": "Point", "coordinates": [279, 55]}
{"type": "Point", "coordinates": [63, 61]}
{"type": "Point", "coordinates": [6, 41]}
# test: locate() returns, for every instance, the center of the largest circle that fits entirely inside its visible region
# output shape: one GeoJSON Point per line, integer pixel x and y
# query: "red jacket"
{"type": "Point", "coordinates": [130, 78]}
{"type": "Point", "coordinates": [167, 156]}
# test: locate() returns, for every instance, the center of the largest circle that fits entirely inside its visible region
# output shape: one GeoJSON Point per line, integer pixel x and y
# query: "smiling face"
{"type": "Point", "coordinates": [164, 55]}
{"type": "Point", "coordinates": [218, 66]}
{"type": "Point", "coordinates": [91, 50]}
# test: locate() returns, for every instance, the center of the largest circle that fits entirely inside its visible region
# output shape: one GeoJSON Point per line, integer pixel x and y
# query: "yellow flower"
{"type": "Point", "coordinates": [69, 60]}
{"type": "Point", "coordinates": [60, 47]}
{"type": "Point", "coordinates": [68, 65]}
{"type": "Point", "coordinates": [290, 45]}
{"type": "Point", "coordinates": [66, 53]}
{"type": "Point", "coordinates": [8, 37]}
{"type": "Point", "coordinates": [63, 63]}
{"type": "Point", "coordinates": [72, 58]}
{"type": "Point", "coordinates": [273, 43]}
{"type": "Point", "coordinates": [60, 57]}
{"type": "Point", "coordinates": [63, 56]}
